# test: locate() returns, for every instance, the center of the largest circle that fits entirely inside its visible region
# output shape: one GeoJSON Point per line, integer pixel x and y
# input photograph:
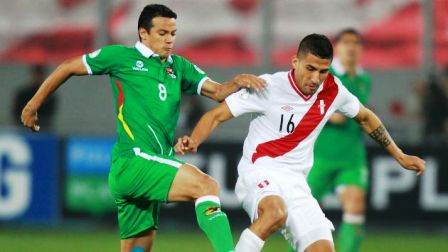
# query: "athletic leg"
{"type": "Point", "coordinates": [191, 184]}
{"type": "Point", "coordinates": [272, 215]}
{"type": "Point", "coordinates": [320, 181]}
{"type": "Point", "coordinates": [351, 232]}
{"type": "Point", "coordinates": [141, 243]}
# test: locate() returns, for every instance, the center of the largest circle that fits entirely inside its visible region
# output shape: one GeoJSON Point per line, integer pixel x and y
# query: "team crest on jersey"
{"type": "Point", "coordinates": [94, 54]}
{"type": "Point", "coordinates": [139, 66]}
{"type": "Point", "coordinates": [287, 108]}
{"type": "Point", "coordinates": [170, 72]}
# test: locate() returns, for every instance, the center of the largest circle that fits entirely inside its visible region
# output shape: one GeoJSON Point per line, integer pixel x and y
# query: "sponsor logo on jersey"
{"type": "Point", "coordinates": [139, 66]}
{"type": "Point", "coordinates": [170, 71]}
{"type": "Point", "coordinates": [94, 54]}
{"type": "Point", "coordinates": [287, 108]}
{"type": "Point", "coordinates": [212, 210]}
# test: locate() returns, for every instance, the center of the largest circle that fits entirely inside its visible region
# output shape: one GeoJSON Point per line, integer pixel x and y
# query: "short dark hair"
{"type": "Point", "coordinates": [152, 11]}
{"type": "Point", "coordinates": [346, 31]}
{"type": "Point", "coordinates": [316, 44]}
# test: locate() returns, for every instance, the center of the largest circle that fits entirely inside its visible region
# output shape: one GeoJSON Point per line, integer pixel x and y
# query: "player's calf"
{"type": "Point", "coordinates": [351, 232]}
{"type": "Point", "coordinates": [140, 243]}
{"type": "Point", "coordinates": [191, 184]}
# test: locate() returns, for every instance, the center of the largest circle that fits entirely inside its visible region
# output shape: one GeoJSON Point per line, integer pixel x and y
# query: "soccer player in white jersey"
{"type": "Point", "coordinates": [278, 150]}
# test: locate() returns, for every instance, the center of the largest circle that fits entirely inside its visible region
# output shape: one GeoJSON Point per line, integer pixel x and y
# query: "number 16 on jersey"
{"type": "Point", "coordinates": [290, 126]}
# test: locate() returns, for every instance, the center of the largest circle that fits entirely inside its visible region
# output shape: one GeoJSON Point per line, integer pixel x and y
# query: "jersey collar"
{"type": "Point", "coordinates": [147, 52]}
{"type": "Point", "coordinates": [293, 83]}
{"type": "Point", "coordinates": [339, 69]}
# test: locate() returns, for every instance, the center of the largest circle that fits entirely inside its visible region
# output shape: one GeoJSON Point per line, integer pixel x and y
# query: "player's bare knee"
{"type": "Point", "coordinates": [207, 186]}
{"type": "Point", "coordinates": [275, 217]}
{"type": "Point", "coordinates": [355, 205]}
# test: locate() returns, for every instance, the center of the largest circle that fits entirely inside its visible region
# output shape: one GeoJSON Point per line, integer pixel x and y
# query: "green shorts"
{"type": "Point", "coordinates": [326, 176]}
{"type": "Point", "coordinates": [140, 183]}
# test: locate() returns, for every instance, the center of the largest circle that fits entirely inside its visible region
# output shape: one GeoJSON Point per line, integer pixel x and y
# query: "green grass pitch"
{"type": "Point", "coordinates": [101, 241]}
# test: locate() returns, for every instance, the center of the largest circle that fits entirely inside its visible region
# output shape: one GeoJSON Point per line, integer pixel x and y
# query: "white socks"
{"type": "Point", "coordinates": [249, 242]}
{"type": "Point", "coordinates": [353, 218]}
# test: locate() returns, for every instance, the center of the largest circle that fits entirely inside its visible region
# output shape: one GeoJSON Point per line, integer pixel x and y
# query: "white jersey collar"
{"type": "Point", "coordinates": [147, 52]}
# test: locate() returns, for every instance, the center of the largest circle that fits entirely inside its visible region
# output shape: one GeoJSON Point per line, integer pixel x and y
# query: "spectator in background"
{"type": "Point", "coordinates": [434, 108]}
{"type": "Point", "coordinates": [25, 93]}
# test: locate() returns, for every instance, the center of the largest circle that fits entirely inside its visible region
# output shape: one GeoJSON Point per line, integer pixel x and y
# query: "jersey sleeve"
{"type": "Point", "coordinates": [192, 77]}
{"type": "Point", "coordinates": [350, 105]}
{"type": "Point", "coordinates": [102, 61]}
{"type": "Point", "coordinates": [247, 101]}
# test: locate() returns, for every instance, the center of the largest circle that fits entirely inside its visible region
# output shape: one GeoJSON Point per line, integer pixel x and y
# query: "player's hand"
{"type": "Point", "coordinates": [412, 163]}
{"type": "Point", "coordinates": [185, 144]}
{"type": "Point", "coordinates": [249, 81]}
{"type": "Point", "coordinates": [29, 118]}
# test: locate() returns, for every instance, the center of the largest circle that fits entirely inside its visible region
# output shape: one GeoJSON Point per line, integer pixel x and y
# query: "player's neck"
{"type": "Point", "coordinates": [350, 68]}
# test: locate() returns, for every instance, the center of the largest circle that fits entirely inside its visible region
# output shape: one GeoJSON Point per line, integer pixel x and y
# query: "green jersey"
{"type": "Point", "coordinates": [147, 94]}
{"type": "Point", "coordinates": [348, 136]}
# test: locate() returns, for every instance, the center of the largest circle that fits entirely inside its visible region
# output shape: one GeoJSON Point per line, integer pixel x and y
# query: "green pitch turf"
{"type": "Point", "coordinates": [102, 241]}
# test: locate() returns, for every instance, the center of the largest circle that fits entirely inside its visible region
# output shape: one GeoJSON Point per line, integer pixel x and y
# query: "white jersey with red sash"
{"type": "Point", "coordinates": [286, 123]}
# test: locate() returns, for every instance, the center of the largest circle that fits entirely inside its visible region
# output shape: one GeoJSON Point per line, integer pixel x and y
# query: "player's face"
{"type": "Point", "coordinates": [349, 48]}
{"type": "Point", "coordinates": [160, 38]}
{"type": "Point", "coordinates": [309, 72]}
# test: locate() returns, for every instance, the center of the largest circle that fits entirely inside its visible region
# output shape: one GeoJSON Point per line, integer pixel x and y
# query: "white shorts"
{"type": "Point", "coordinates": [306, 222]}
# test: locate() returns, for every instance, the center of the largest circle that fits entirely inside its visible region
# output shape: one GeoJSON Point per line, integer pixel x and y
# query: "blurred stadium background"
{"type": "Point", "coordinates": [53, 185]}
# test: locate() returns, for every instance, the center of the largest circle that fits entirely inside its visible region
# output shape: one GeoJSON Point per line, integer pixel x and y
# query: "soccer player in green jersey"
{"type": "Point", "coordinates": [344, 168]}
{"type": "Point", "coordinates": [147, 81]}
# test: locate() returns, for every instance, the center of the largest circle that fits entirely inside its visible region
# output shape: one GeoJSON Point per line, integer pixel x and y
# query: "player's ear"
{"type": "Point", "coordinates": [143, 33]}
{"type": "Point", "coordinates": [295, 62]}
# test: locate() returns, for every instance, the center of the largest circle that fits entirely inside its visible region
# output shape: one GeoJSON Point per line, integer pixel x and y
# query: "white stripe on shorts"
{"type": "Point", "coordinates": [157, 159]}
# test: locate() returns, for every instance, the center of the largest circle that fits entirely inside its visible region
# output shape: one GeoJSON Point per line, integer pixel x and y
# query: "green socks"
{"type": "Point", "coordinates": [351, 233]}
{"type": "Point", "coordinates": [214, 223]}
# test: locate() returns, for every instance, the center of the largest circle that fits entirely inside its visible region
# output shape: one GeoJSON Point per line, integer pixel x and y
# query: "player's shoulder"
{"type": "Point", "coordinates": [177, 59]}
{"type": "Point", "coordinates": [109, 50]}
{"type": "Point", "coordinates": [365, 76]}
{"type": "Point", "coordinates": [117, 48]}
{"type": "Point", "coordinates": [275, 79]}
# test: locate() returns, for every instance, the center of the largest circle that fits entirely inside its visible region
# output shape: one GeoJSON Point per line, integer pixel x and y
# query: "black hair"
{"type": "Point", "coordinates": [316, 44]}
{"type": "Point", "coordinates": [152, 11]}
{"type": "Point", "coordinates": [346, 31]}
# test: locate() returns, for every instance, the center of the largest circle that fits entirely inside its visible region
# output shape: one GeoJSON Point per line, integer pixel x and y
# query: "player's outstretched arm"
{"type": "Point", "coordinates": [373, 126]}
{"type": "Point", "coordinates": [219, 92]}
{"type": "Point", "coordinates": [206, 125]}
{"type": "Point", "coordinates": [68, 68]}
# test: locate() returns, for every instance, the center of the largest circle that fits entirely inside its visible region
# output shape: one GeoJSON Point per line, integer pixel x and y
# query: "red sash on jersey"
{"type": "Point", "coordinates": [309, 122]}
